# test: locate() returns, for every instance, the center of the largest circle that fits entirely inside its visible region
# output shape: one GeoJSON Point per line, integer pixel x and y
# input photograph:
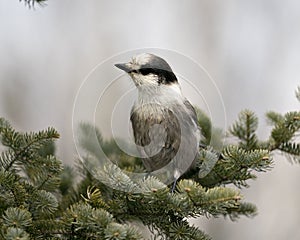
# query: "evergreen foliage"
{"type": "Point", "coordinates": [31, 3]}
{"type": "Point", "coordinates": [41, 199]}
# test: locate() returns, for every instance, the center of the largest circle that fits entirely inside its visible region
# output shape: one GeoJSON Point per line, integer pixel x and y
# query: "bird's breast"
{"type": "Point", "coordinates": [146, 111]}
{"type": "Point", "coordinates": [152, 119]}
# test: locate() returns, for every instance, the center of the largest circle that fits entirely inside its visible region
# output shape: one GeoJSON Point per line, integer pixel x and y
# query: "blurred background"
{"type": "Point", "coordinates": [250, 48]}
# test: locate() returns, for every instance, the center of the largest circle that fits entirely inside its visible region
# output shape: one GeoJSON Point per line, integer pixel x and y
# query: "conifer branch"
{"type": "Point", "coordinates": [31, 3]}
{"type": "Point", "coordinates": [237, 166]}
{"type": "Point", "coordinates": [22, 146]}
{"type": "Point", "coordinates": [245, 130]}
{"type": "Point", "coordinates": [40, 200]}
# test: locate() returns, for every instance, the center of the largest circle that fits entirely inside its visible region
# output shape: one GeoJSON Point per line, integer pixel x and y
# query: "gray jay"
{"type": "Point", "coordinates": [164, 122]}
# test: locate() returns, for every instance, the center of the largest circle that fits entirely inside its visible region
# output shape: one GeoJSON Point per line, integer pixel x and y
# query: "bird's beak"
{"type": "Point", "coordinates": [124, 66]}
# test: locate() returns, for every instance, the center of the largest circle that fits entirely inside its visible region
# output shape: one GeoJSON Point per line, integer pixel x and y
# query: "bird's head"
{"type": "Point", "coordinates": [148, 70]}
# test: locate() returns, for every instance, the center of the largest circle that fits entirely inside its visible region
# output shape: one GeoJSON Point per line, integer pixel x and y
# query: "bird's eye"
{"type": "Point", "coordinates": [146, 71]}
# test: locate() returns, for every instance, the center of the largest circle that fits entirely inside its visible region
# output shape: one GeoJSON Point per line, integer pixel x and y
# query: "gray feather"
{"type": "Point", "coordinates": [164, 129]}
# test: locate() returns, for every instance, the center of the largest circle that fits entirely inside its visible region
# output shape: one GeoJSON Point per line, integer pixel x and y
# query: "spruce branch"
{"type": "Point", "coordinates": [206, 126]}
{"type": "Point", "coordinates": [83, 221]}
{"type": "Point", "coordinates": [39, 199]}
{"type": "Point", "coordinates": [290, 148]}
{"type": "Point", "coordinates": [211, 136]}
{"type": "Point", "coordinates": [23, 147]}
{"type": "Point", "coordinates": [13, 233]}
{"type": "Point", "coordinates": [160, 210]}
{"type": "Point", "coordinates": [16, 217]}
{"type": "Point", "coordinates": [285, 135]}
{"type": "Point", "coordinates": [207, 160]}
{"type": "Point", "coordinates": [112, 175]}
{"type": "Point", "coordinates": [13, 190]}
{"type": "Point", "coordinates": [237, 166]}
{"type": "Point", "coordinates": [214, 201]}
{"type": "Point", "coordinates": [31, 3]}
{"type": "Point", "coordinates": [285, 129]}
{"type": "Point", "coordinates": [246, 209]}
{"type": "Point", "coordinates": [274, 118]}
{"type": "Point", "coordinates": [29, 175]}
{"type": "Point", "coordinates": [43, 204]}
{"type": "Point", "coordinates": [245, 130]}
{"type": "Point", "coordinates": [182, 230]}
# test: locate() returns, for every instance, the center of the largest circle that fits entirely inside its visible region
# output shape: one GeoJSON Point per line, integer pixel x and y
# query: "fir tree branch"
{"type": "Point", "coordinates": [236, 166]}
{"type": "Point", "coordinates": [13, 191]}
{"type": "Point", "coordinates": [206, 126]}
{"type": "Point", "coordinates": [245, 130]}
{"type": "Point", "coordinates": [285, 129]}
{"type": "Point", "coordinates": [16, 217]}
{"type": "Point", "coordinates": [24, 145]}
{"type": "Point", "coordinates": [31, 3]}
{"type": "Point", "coordinates": [274, 118]}
{"type": "Point", "coordinates": [39, 199]}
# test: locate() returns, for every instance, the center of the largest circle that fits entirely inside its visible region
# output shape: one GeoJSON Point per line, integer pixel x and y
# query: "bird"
{"type": "Point", "coordinates": [164, 122]}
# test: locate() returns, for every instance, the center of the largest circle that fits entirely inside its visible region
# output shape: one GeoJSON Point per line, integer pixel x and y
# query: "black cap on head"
{"type": "Point", "coordinates": [147, 63]}
{"type": "Point", "coordinates": [160, 67]}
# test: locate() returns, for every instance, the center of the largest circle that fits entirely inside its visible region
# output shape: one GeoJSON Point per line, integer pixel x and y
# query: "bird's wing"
{"type": "Point", "coordinates": [158, 134]}
{"type": "Point", "coordinates": [187, 153]}
{"type": "Point", "coordinates": [163, 135]}
{"type": "Point", "coordinates": [193, 114]}
{"type": "Point", "coordinates": [191, 110]}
